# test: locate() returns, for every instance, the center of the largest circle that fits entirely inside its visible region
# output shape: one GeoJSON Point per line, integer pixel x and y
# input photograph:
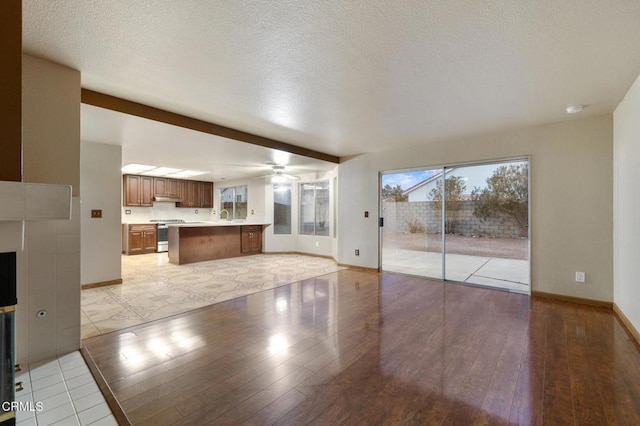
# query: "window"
{"type": "Point", "coordinates": [314, 208]}
{"type": "Point", "coordinates": [282, 209]}
{"type": "Point", "coordinates": [233, 202]}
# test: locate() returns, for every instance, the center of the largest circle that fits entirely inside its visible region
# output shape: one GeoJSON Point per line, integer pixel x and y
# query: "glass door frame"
{"type": "Point", "coordinates": [444, 168]}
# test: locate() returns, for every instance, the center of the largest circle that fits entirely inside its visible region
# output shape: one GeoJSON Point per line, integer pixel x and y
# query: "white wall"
{"type": "Point", "coordinates": [626, 207]}
{"type": "Point", "coordinates": [571, 192]}
{"type": "Point", "coordinates": [49, 267]}
{"type": "Point", "coordinates": [101, 178]}
{"type": "Point", "coordinates": [164, 210]}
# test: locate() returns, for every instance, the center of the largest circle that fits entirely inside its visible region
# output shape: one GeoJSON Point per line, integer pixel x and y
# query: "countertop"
{"type": "Point", "coordinates": [219, 223]}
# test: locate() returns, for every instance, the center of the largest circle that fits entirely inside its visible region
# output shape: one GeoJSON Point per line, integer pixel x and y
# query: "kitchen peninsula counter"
{"type": "Point", "coordinates": [201, 241]}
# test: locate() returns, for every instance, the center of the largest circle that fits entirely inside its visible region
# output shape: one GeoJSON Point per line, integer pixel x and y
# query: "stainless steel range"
{"type": "Point", "coordinates": [163, 232]}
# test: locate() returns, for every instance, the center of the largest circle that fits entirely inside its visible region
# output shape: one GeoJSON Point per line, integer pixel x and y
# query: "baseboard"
{"type": "Point", "coordinates": [300, 253]}
{"type": "Point", "coordinates": [101, 284]}
{"type": "Point", "coordinates": [112, 401]}
{"type": "Point", "coordinates": [572, 299]}
{"type": "Point", "coordinates": [358, 268]}
{"type": "Point", "coordinates": [626, 324]}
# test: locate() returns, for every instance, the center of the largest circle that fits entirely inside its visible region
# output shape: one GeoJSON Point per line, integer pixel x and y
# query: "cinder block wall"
{"type": "Point", "coordinates": [399, 215]}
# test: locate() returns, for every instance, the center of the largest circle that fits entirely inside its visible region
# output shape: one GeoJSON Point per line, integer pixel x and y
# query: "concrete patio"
{"type": "Point", "coordinates": [508, 274]}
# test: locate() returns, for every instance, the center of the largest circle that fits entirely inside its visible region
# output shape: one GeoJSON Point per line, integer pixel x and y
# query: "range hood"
{"type": "Point", "coordinates": [160, 198]}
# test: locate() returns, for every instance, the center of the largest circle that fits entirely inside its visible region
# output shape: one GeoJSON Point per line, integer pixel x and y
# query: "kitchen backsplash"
{"type": "Point", "coordinates": [165, 211]}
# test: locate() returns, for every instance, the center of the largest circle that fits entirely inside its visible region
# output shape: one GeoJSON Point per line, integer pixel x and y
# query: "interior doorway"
{"type": "Point", "coordinates": [467, 223]}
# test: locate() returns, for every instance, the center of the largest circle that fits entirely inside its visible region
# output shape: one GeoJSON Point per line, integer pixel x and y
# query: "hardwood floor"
{"type": "Point", "coordinates": [357, 347]}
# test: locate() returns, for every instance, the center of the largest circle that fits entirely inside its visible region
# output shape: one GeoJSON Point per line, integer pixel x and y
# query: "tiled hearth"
{"type": "Point", "coordinates": [63, 392]}
{"type": "Point", "coordinates": [153, 288]}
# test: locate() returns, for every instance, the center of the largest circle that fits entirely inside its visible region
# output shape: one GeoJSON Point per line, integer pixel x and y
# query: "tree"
{"type": "Point", "coordinates": [454, 188]}
{"type": "Point", "coordinates": [393, 193]}
{"type": "Point", "coordinates": [507, 193]}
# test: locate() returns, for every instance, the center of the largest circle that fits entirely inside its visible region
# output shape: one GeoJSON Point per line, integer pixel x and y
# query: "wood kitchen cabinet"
{"type": "Point", "coordinates": [207, 195]}
{"type": "Point", "coordinates": [251, 239]}
{"type": "Point", "coordinates": [140, 238]}
{"type": "Point", "coordinates": [190, 192]}
{"type": "Point", "coordinates": [196, 194]}
{"type": "Point", "coordinates": [138, 191]}
{"type": "Point", "coordinates": [189, 243]}
{"type": "Point", "coordinates": [165, 187]}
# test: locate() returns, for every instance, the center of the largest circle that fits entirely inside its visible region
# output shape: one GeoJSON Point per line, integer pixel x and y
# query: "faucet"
{"type": "Point", "coordinates": [225, 211]}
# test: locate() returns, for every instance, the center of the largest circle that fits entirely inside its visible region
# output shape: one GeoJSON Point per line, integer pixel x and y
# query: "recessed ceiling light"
{"type": "Point", "coordinates": [574, 109]}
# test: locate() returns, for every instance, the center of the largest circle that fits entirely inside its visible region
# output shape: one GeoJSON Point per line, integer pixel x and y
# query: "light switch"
{"type": "Point", "coordinates": [96, 214]}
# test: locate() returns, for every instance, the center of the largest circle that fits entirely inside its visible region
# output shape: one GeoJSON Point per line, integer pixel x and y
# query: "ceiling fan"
{"type": "Point", "coordinates": [278, 175]}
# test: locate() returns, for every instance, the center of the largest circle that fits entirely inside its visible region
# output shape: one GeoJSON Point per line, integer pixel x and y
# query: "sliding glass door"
{"type": "Point", "coordinates": [464, 223]}
{"type": "Point", "coordinates": [487, 235]}
{"type": "Point", "coordinates": [412, 232]}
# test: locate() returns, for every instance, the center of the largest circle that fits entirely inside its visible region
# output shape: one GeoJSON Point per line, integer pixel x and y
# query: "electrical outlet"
{"type": "Point", "coordinates": [366, 214]}
{"type": "Point", "coordinates": [196, 211]}
{"type": "Point", "coordinates": [317, 243]}
{"type": "Point", "coordinates": [127, 212]}
{"type": "Point", "coordinates": [580, 277]}
{"type": "Point", "coordinates": [357, 252]}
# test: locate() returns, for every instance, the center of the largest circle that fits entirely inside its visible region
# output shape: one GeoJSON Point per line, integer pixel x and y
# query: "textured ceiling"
{"type": "Point", "coordinates": [346, 77]}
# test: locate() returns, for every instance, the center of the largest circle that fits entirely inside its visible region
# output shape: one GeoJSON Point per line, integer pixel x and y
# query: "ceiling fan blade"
{"type": "Point", "coordinates": [263, 176]}
{"type": "Point", "coordinates": [290, 176]}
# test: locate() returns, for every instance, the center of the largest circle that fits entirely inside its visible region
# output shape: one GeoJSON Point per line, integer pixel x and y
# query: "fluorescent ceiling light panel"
{"type": "Point", "coordinates": [186, 173]}
{"type": "Point", "coordinates": [160, 171]}
{"type": "Point", "coordinates": [143, 169]}
{"type": "Point", "coordinates": [136, 168]}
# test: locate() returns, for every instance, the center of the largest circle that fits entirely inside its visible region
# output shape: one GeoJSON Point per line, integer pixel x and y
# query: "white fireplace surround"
{"type": "Point", "coordinates": [21, 201]}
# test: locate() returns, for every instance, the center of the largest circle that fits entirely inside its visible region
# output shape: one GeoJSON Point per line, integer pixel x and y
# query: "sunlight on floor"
{"type": "Point", "coordinates": [153, 288]}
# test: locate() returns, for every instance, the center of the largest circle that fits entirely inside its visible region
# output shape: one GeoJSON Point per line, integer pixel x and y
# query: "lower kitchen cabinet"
{"type": "Point", "coordinates": [201, 242]}
{"type": "Point", "coordinates": [251, 239]}
{"type": "Point", "coordinates": [139, 238]}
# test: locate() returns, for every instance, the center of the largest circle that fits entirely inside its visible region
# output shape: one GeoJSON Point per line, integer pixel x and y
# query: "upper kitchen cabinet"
{"type": "Point", "coordinates": [207, 195]}
{"type": "Point", "coordinates": [138, 191]}
{"type": "Point", "coordinates": [186, 191]}
{"type": "Point", "coordinates": [165, 187]}
{"type": "Point", "coordinates": [195, 194]}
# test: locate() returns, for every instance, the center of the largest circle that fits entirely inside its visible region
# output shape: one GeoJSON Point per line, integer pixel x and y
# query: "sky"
{"type": "Point", "coordinates": [407, 179]}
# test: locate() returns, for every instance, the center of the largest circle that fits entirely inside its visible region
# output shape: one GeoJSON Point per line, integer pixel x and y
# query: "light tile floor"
{"type": "Point", "coordinates": [153, 288]}
{"type": "Point", "coordinates": [62, 392]}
